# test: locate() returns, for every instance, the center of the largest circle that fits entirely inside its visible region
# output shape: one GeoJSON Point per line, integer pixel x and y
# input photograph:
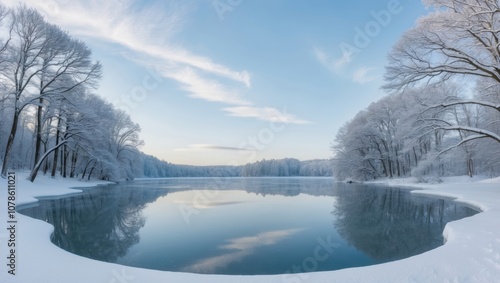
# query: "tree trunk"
{"type": "Point", "coordinates": [74, 158]}
{"type": "Point", "coordinates": [90, 173]}
{"type": "Point", "coordinates": [470, 167]}
{"type": "Point", "coordinates": [10, 143]}
{"type": "Point", "coordinates": [56, 153]}
{"type": "Point", "coordinates": [34, 172]}
{"type": "Point", "coordinates": [398, 166]}
{"type": "Point", "coordinates": [85, 169]}
{"type": "Point", "coordinates": [389, 162]}
{"type": "Point", "coordinates": [38, 139]}
{"type": "Point", "coordinates": [46, 164]}
{"type": "Point", "coordinates": [64, 161]}
{"type": "Point", "coordinates": [415, 155]}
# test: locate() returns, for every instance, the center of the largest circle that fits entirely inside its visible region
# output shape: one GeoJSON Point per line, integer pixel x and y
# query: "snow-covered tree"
{"type": "Point", "coordinates": [400, 135]}
{"type": "Point", "coordinates": [21, 66]}
{"type": "Point", "coordinates": [50, 119]}
{"type": "Point", "coordinates": [459, 39]}
{"type": "Point", "coordinates": [124, 134]}
{"type": "Point", "coordinates": [65, 65]}
{"type": "Point", "coordinates": [41, 62]}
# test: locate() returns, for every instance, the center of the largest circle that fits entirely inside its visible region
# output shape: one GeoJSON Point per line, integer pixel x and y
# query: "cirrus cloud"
{"type": "Point", "coordinates": [212, 147]}
{"type": "Point", "coordinates": [364, 75]}
{"type": "Point", "coordinates": [264, 113]}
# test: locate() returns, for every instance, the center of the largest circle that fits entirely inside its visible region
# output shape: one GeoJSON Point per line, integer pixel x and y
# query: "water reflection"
{"type": "Point", "coordinates": [100, 224]}
{"type": "Point", "coordinates": [248, 225]}
{"type": "Point", "coordinates": [390, 224]}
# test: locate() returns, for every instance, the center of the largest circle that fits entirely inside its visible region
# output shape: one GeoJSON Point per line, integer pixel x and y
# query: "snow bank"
{"type": "Point", "coordinates": [471, 252]}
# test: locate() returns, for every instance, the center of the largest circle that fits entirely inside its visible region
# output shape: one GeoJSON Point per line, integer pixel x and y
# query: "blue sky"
{"type": "Point", "coordinates": [236, 81]}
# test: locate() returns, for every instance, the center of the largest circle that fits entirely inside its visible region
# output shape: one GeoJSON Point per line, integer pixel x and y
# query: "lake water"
{"type": "Point", "coordinates": [247, 225]}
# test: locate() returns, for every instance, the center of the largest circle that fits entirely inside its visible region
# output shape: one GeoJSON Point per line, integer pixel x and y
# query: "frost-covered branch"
{"type": "Point", "coordinates": [466, 102]}
{"type": "Point", "coordinates": [466, 140]}
{"type": "Point", "coordinates": [483, 132]}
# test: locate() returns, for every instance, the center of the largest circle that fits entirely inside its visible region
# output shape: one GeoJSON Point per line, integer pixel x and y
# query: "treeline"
{"type": "Point", "coordinates": [155, 168]}
{"type": "Point", "coordinates": [50, 119]}
{"type": "Point", "coordinates": [288, 167]}
{"type": "Point", "coordinates": [402, 135]}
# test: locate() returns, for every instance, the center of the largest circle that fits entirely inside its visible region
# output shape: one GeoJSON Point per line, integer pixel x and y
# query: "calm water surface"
{"type": "Point", "coordinates": [247, 225]}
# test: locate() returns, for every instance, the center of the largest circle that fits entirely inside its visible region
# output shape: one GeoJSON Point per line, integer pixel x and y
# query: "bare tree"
{"type": "Point", "coordinates": [21, 67]}
{"type": "Point", "coordinates": [125, 141]}
{"type": "Point", "coordinates": [45, 63]}
{"type": "Point", "coordinates": [4, 95]}
{"type": "Point", "coordinates": [65, 64]}
{"type": "Point", "coordinates": [459, 39]}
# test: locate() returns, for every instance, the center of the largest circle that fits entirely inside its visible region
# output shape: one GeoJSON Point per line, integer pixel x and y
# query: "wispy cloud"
{"type": "Point", "coordinates": [204, 88]}
{"type": "Point", "coordinates": [339, 66]}
{"type": "Point", "coordinates": [264, 113]}
{"type": "Point", "coordinates": [211, 147]}
{"type": "Point", "coordinates": [147, 33]}
{"type": "Point", "coordinates": [335, 65]}
{"type": "Point", "coordinates": [364, 75]}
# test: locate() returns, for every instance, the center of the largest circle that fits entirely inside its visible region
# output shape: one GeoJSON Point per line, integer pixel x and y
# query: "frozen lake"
{"type": "Point", "coordinates": [247, 225]}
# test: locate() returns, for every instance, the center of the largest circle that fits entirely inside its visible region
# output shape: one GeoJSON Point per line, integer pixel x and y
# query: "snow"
{"type": "Point", "coordinates": [471, 252]}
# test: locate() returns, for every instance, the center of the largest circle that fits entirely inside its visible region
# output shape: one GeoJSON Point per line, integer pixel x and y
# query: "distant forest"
{"type": "Point", "coordinates": [155, 168]}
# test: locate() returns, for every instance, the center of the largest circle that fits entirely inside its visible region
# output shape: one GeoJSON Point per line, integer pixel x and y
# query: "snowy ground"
{"type": "Point", "coordinates": [471, 253]}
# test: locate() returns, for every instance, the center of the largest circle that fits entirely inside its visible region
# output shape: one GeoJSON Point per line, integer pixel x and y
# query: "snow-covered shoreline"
{"type": "Point", "coordinates": [471, 252]}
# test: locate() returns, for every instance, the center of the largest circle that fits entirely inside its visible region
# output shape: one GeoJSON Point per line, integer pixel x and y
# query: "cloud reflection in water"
{"type": "Point", "coordinates": [236, 249]}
